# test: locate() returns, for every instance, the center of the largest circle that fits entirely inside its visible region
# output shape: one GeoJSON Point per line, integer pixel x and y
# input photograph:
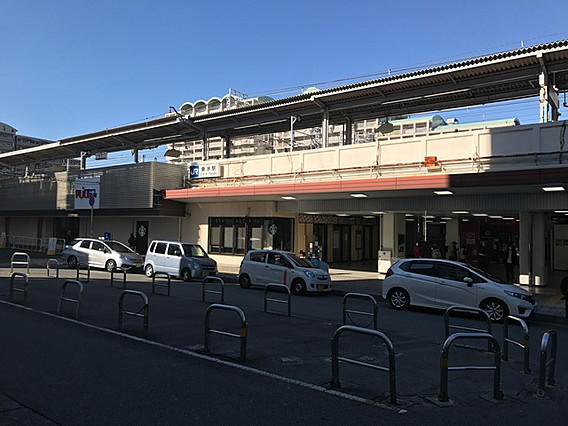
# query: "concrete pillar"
{"type": "Point", "coordinates": [136, 155]}
{"type": "Point", "coordinates": [325, 128]}
{"type": "Point", "coordinates": [393, 225]}
{"type": "Point", "coordinates": [348, 131]}
{"type": "Point", "coordinates": [525, 243]}
{"type": "Point", "coordinates": [539, 249]}
{"type": "Point", "coordinates": [227, 146]}
{"type": "Point", "coordinates": [453, 232]}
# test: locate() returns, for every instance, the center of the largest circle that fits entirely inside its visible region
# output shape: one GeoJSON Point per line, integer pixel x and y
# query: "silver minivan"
{"type": "Point", "coordinates": [184, 260]}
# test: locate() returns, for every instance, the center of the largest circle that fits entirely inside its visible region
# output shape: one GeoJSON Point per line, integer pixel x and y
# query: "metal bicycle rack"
{"type": "Point", "coordinates": [24, 290]}
{"type": "Point", "coordinates": [48, 267]}
{"type": "Point", "coordinates": [141, 313]}
{"type": "Point", "coordinates": [161, 284]}
{"type": "Point", "coordinates": [118, 270]}
{"type": "Point", "coordinates": [242, 336]}
{"type": "Point", "coordinates": [63, 298]}
{"type": "Point", "coordinates": [335, 358]}
{"type": "Point", "coordinates": [287, 302]}
{"type": "Point", "coordinates": [219, 292]}
{"type": "Point", "coordinates": [86, 273]}
{"type": "Point", "coordinates": [549, 338]}
{"type": "Point", "coordinates": [348, 312]}
{"type": "Point", "coordinates": [524, 345]}
{"type": "Point", "coordinates": [470, 310]}
{"type": "Point", "coordinates": [15, 262]}
{"type": "Point", "coordinates": [497, 394]}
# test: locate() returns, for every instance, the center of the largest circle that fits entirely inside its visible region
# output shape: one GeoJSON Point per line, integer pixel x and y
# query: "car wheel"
{"type": "Point", "coordinates": [72, 261]}
{"type": "Point", "coordinates": [186, 275]}
{"type": "Point", "coordinates": [399, 298]}
{"type": "Point", "coordinates": [149, 271]}
{"type": "Point", "coordinates": [244, 281]}
{"type": "Point", "coordinates": [110, 265]}
{"type": "Point", "coordinates": [496, 309]}
{"type": "Point", "coordinates": [298, 287]}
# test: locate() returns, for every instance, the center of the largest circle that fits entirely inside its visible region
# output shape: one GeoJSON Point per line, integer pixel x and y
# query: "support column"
{"type": "Point", "coordinates": [543, 99]}
{"type": "Point", "coordinates": [525, 245]}
{"type": "Point", "coordinates": [348, 131]}
{"type": "Point", "coordinates": [83, 160]}
{"type": "Point", "coordinates": [453, 232]}
{"type": "Point", "coordinates": [391, 226]}
{"type": "Point", "coordinates": [325, 128]}
{"type": "Point", "coordinates": [136, 155]}
{"type": "Point", "coordinates": [539, 249]}
{"type": "Point", "coordinates": [227, 146]}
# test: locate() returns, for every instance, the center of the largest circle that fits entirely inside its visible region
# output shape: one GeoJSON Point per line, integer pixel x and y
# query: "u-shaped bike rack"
{"type": "Point", "coordinates": [86, 273]}
{"type": "Point", "coordinates": [161, 284]}
{"type": "Point", "coordinates": [549, 339]}
{"type": "Point", "coordinates": [524, 345]}
{"type": "Point", "coordinates": [288, 301]}
{"type": "Point", "coordinates": [15, 262]}
{"type": "Point", "coordinates": [211, 280]}
{"type": "Point", "coordinates": [470, 310]}
{"type": "Point", "coordinates": [242, 336]}
{"type": "Point", "coordinates": [497, 394]}
{"type": "Point", "coordinates": [118, 270]}
{"type": "Point", "coordinates": [335, 358]}
{"type": "Point", "coordinates": [64, 298]}
{"type": "Point", "coordinates": [24, 290]}
{"type": "Point", "coordinates": [362, 296]}
{"type": "Point", "coordinates": [141, 313]}
{"type": "Point", "coordinates": [49, 267]}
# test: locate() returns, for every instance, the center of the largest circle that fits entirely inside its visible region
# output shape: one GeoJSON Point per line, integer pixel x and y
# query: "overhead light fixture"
{"type": "Point", "coordinates": [447, 218]}
{"type": "Point", "coordinates": [428, 217]}
{"type": "Point", "coordinates": [465, 220]}
{"type": "Point", "coordinates": [343, 214]}
{"type": "Point", "coordinates": [369, 217]}
{"type": "Point", "coordinates": [560, 211]}
{"type": "Point", "coordinates": [385, 128]}
{"type": "Point", "coordinates": [495, 217]}
{"type": "Point", "coordinates": [288, 197]}
{"type": "Point", "coordinates": [480, 214]}
{"type": "Point", "coordinates": [359, 195]}
{"type": "Point", "coordinates": [442, 221]}
{"type": "Point", "coordinates": [409, 215]}
{"type": "Point", "coordinates": [460, 212]}
{"type": "Point", "coordinates": [508, 218]}
{"type": "Point", "coordinates": [378, 212]}
{"type": "Point", "coordinates": [172, 152]}
{"type": "Point", "coordinates": [312, 213]}
{"type": "Point", "coordinates": [553, 188]}
{"type": "Point", "coordinates": [443, 193]}
{"type": "Point", "coordinates": [408, 219]}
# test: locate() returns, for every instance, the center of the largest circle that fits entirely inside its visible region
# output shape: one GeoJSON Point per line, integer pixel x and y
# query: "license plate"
{"type": "Point", "coordinates": [320, 287]}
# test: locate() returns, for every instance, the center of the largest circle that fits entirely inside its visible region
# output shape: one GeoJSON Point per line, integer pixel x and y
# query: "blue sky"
{"type": "Point", "coordinates": [69, 67]}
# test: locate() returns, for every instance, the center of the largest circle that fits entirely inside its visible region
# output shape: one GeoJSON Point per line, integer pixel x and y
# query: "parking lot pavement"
{"type": "Point", "coordinates": [298, 348]}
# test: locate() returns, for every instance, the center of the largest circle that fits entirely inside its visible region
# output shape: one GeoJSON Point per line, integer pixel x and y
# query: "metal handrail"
{"type": "Point", "coordinates": [286, 302]}
{"type": "Point", "coordinates": [49, 268]}
{"type": "Point", "coordinates": [25, 263]}
{"type": "Point", "coordinates": [219, 292]}
{"type": "Point", "coordinates": [159, 284]}
{"type": "Point", "coordinates": [118, 269]}
{"type": "Point", "coordinates": [470, 310]}
{"type": "Point", "coordinates": [497, 394]}
{"type": "Point", "coordinates": [524, 345]}
{"type": "Point", "coordinates": [335, 358]}
{"type": "Point", "coordinates": [142, 312]}
{"type": "Point", "coordinates": [363, 296]}
{"type": "Point", "coordinates": [77, 301]}
{"type": "Point", "coordinates": [24, 290]}
{"type": "Point", "coordinates": [86, 274]}
{"type": "Point", "coordinates": [550, 338]}
{"type": "Point", "coordinates": [242, 336]}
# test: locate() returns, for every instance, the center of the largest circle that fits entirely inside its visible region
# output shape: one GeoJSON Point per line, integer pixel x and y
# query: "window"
{"type": "Point", "coordinates": [161, 248]}
{"type": "Point", "coordinates": [85, 244]}
{"type": "Point", "coordinates": [193, 250]}
{"type": "Point", "coordinates": [278, 259]}
{"type": "Point", "coordinates": [258, 256]}
{"type": "Point", "coordinates": [214, 239]}
{"type": "Point", "coordinates": [423, 267]}
{"type": "Point", "coordinates": [228, 242]}
{"type": "Point", "coordinates": [173, 248]}
{"type": "Point", "coordinates": [98, 246]}
{"type": "Point", "coordinates": [152, 246]}
{"type": "Point", "coordinates": [448, 271]}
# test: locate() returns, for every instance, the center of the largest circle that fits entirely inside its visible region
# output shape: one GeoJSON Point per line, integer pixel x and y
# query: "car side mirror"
{"type": "Point", "coordinates": [468, 281]}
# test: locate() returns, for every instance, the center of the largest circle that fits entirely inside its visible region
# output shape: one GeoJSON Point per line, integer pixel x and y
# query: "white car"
{"type": "Point", "coordinates": [436, 283]}
{"type": "Point", "coordinates": [101, 254]}
{"type": "Point", "coordinates": [262, 267]}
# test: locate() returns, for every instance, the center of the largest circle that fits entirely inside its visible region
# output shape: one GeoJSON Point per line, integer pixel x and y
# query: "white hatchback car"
{"type": "Point", "coordinates": [436, 283]}
{"type": "Point", "coordinates": [262, 267]}
{"type": "Point", "coordinates": [101, 254]}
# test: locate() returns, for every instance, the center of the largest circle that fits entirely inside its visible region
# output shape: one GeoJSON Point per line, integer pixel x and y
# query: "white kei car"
{"type": "Point", "coordinates": [101, 254]}
{"type": "Point", "coordinates": [437, 283]}
{"type": "Point", "coordinates": [262, 267]}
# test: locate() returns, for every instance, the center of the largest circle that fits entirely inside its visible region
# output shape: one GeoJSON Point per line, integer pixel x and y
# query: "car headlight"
{"type": "Point", "coordinates": [310, 274]}
{"type": "Point", "coordinates": [512, 293]}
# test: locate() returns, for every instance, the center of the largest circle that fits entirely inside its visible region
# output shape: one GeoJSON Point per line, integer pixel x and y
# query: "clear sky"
{"type": "Point", "coordinates": [72, 67]}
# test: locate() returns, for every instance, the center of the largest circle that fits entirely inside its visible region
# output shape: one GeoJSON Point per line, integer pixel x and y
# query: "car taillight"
{"type": "Point", "coordinates": [389, 272]}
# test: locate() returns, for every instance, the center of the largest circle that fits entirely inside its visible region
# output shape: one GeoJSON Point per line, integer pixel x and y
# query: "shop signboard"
{"type": "Point", "coordinates": [87, 193]}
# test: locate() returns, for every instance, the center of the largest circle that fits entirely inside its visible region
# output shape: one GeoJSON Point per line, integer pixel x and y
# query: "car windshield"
{"type": "Point", "coordinates": [485, 274]}
{"type": "Point", "coordinates": [119, 247]}
{"type": "Point", "coordinates": [193, 250]}
{"type": "Point", "coordinates": [298, 261]}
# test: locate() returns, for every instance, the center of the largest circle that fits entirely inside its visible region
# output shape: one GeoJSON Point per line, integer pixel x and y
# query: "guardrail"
{"type": "Point", "coordinates": [348, 312]}
{"type": "Point", "coordinates": [161, 284]}
{"type": "Point", "coordinates": [143, 312]}
{"type": "Point", "coordinates": [524, 345]}
{"type": "Point", "coordinates": [444, 369]}
{"type": "Point", "coordinates": [219, 292]}
{"type": "Point", "coordinates": [242, 336]}
{"type": "Point", "coordinates": [48, 268]}
{"type": "Point", "coordinates": [24, 243]}
{"type": "Point", "coordinates": [287, 302]}
{"type": "Point", "coordinates": [118, 269]}
{"type": "Point", "coordinates": [549, 338]}
{"type": "Point", "coordinates": [63, 298]}
{"type": "Point", "coordinates": [470, 310]}
{"type": "Point", "coordinates": [15, 262]}
{"type": "Point", "coordinates": [86, 273]}
{"type": "Point", "coordinates": [24, 290]}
